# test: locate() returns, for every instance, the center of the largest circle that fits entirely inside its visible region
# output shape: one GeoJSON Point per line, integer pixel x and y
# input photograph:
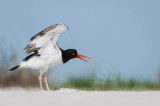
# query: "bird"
{"type": "Point", "coordinates": [45, 53]}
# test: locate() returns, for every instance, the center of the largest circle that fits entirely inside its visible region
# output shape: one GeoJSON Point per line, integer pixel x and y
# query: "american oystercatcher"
{"type": "Point", "coordinates": [46, 53]}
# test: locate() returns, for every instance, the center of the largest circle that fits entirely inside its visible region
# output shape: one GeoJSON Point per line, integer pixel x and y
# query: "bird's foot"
{"type": "Point", "coordinates": [42, 90]}
{"type": "Point", "coordinates": [49, 90]}
{"type": "Point", "coordinates": [55, 88]}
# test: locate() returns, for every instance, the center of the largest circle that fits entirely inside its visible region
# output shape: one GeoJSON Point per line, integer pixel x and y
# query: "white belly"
{"type": "Point", "coordinates": [39, 62]}
{"type": "Point", "coordinates": [54, 60]}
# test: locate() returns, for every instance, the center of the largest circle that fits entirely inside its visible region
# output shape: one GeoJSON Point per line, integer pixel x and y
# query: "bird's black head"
{"type": "Point", "coordinates": [70, 54]}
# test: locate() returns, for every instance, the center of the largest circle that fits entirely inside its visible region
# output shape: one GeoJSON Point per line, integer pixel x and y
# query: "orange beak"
{"type": "Point", "coordinates": [80, 57]}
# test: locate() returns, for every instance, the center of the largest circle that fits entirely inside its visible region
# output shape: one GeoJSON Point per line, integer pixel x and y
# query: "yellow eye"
{"type": "Point", "coordinates": [73, 54]}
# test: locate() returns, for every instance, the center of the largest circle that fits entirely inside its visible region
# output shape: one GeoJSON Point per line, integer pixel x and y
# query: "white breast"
{"type": "Point", "coordinates": [48, 60]}
{"type": "Point", "coordinates": [53, 60]}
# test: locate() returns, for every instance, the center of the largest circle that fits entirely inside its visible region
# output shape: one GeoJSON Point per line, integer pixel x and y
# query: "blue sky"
{"type": "Point", "coordinates": [121, 35]}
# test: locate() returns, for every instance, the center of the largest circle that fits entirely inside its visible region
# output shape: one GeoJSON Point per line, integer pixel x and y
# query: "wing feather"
{"type": "Point", "coordinates": [42, 33]}
{"type": "Point", "coordinates": [45, 38]}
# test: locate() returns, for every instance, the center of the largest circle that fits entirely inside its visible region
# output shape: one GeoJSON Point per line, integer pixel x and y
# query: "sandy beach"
{"type": "Point", "coordinates": [72, 97]}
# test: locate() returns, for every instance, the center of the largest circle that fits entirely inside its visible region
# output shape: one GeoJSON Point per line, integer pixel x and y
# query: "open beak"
{"type": "Point", "coordinates": [80, 57]}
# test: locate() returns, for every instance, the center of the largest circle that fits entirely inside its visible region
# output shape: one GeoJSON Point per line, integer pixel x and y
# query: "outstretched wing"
{"type": "Point", "coordinates": [45, 38]}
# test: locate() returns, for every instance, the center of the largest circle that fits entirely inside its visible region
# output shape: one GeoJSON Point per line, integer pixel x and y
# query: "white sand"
{"type": "Point", "coordinates": [72, 97]}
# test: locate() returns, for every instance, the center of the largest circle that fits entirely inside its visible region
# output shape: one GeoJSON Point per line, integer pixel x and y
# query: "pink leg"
{"type": "Point", "coordinates": [45, 80]}
{"type": "Point", "coordinates": [40, 82]}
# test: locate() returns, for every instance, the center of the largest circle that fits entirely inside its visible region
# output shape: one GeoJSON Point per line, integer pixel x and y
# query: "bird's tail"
{"type": "Point", "coordinates": [14, 68]}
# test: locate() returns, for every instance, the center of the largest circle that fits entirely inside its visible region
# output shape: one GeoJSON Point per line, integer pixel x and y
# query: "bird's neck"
{"type": "Point", "coordinates": [65, 57]}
